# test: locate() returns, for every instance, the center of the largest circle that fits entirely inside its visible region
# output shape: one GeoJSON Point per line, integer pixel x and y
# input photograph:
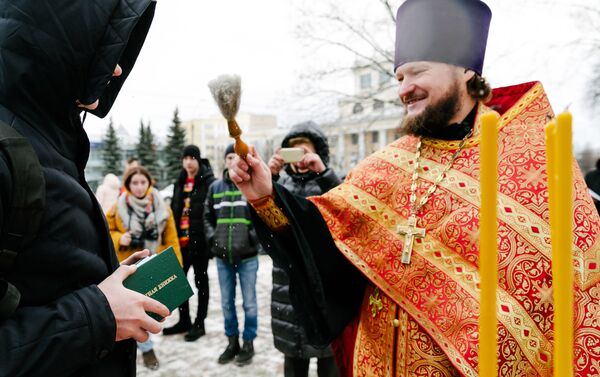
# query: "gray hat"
{"type": "Point", "coordinates": [228, 150]}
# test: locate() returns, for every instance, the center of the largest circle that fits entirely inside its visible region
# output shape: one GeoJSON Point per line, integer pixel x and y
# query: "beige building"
{"type": "Point", "coordinates": [212, 136]}
{"type": "Point", "coordinates": [367, 121]}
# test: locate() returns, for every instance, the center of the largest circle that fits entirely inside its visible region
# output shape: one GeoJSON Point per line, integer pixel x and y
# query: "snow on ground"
{"type": "Point", "coordinates": [179, 358]}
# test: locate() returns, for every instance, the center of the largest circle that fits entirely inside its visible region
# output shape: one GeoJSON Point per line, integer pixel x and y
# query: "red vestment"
{"type": "Point", "coordinates": [421, 319]}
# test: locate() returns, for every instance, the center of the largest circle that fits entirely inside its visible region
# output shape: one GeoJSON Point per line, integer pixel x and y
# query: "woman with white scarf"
{"type": "Point", "coordinates": [141, 220]}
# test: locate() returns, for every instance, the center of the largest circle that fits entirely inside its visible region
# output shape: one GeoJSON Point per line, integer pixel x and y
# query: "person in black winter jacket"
{"type": "Point", "coordinates": [74, 317]}
{"type": "Point", "coordinates": [308, 177]}
{"type": "Point", "coordinates": [232, 239]}
{"type": "Point", "coordinates": [187, 204]}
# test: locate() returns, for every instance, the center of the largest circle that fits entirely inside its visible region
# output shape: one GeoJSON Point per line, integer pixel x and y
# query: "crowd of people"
{"type": "Point", "coordinates": [210, 218]}
{"type": "Point", "coordinates": [376, 275]}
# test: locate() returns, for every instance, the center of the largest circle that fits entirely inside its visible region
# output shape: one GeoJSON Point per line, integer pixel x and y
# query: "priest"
{"type": "Point", "coordinates": [386, 264]}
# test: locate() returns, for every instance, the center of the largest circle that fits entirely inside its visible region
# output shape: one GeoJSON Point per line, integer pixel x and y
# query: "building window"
{"type": "Point", "coordinates": [358, 108]}
{"type": "Point", "coordinates": [377, 104]}
{"type": "Point", "coordinates": [354, 138]}
{"type": "Point", "coordinates": [384, 77]}
{"type": "Point", "coordinates": [365, 81]}
{"type": "Point", "coordinates": [375, 137]}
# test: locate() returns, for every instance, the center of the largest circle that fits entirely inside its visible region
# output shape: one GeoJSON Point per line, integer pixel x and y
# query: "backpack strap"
{"type": "Point", "coordinates": [24, 213]}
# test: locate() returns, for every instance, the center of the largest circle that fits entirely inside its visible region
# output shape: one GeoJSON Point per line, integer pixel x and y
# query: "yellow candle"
{"type": "Point", "coordinates": [562, 252]}
{"type": "Point", "coordinates": [488, 250]}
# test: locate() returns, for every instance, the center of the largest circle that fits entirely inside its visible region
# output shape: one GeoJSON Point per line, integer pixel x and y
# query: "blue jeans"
{"type": "Point", "coordinates": [227, 281]}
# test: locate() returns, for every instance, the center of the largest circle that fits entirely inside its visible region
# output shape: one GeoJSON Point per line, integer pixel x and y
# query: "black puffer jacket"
{"type": "Point", "coordinates": [51, 54]}
{"type": "Point", "coordinates": [202, 181]}
{"type": "Point", "coordinates": [288, 335]}
{"type": "Point", "coordinates": [229, 232]}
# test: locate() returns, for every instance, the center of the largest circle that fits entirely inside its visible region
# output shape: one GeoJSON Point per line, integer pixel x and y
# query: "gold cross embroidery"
{"type": "Point", "coordinates": [410, 232]}
{"type": "Point", "coordinates": [375, 302]}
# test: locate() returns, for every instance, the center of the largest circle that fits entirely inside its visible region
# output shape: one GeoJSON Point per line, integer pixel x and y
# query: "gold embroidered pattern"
{"type": "Point", "coordinates": [417, 354]}
{"type": "Point", "coordinates": [373, 350]}
{"type": "Point", "coordinates": [270, 213]}
{"type": "Point", "coordinates": [375, 302]}
{"type": "Point", "coordinates": [511, 315]}
{"type": "Point", "coordinates": [423, 357]}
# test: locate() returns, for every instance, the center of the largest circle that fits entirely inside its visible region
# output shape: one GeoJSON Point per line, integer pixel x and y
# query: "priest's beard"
{"type": "Point", "coordinates": [434, 117]}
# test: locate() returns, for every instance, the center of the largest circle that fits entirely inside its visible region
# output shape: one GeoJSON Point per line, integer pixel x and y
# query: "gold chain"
{"type": "Point", "coordinates": [414, 209]}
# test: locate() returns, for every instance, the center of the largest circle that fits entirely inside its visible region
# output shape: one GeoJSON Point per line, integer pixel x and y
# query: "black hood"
{"type": "Point", "coordinates": [53, 53]}
{"type": "Point", "coordinates": [311, 131]}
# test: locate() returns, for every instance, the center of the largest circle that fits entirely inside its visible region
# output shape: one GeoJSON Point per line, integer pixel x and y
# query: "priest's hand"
{"type": "Point", "coordinates": [129, 307]}
{"type": "Point", "coordinates": [253, 176]}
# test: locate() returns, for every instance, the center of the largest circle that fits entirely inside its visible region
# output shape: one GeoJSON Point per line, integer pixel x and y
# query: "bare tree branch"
{"type": "Point", "coordinates": [367, 40]}
{"type": "Point", "coordinates": [389, 9]}
{"type": "Point", "coordinates": [365, 36]}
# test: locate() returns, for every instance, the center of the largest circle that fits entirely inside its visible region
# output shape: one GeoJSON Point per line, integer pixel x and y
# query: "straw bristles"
{"type": "Point", "coordinates": [227, 90]}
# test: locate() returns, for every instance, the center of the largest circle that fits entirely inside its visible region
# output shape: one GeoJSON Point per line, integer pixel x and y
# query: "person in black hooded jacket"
{"type": "Point", "coordinates": [74, 317]}
{"type": "Point", "coordinates": [189, 195]}
{"type": "Point", "coordinates": [308, 177]}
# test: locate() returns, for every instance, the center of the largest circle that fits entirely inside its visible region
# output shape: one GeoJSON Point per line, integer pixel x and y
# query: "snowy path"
{"type": "Point", "coordinates": [179, 358]}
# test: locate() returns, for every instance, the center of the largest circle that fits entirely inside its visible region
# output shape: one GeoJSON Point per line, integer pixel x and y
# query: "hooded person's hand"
{"type": "Point", "coordinates": [276, 162]}
{"type": "Point", "coordinates": [311, 161]}
{"type": "Point", "coordinates": [129, 307]}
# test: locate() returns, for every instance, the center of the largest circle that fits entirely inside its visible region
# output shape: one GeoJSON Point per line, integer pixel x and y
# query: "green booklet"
{"type": "Point", "coordinates": [161, 277]}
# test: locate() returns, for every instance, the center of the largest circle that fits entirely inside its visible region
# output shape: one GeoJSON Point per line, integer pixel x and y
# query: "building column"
{"type": "Point", "coordinates": [382, 138]}
{"type": "Point", "coordinates": [202, 143]}
{"type": "Point", "coordinates": [361, 145]}
{"type": "Point", "coordinates": [340, 150]}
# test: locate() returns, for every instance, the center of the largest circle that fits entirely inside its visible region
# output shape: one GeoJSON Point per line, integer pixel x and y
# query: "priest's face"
{"type": "Point", "coordinates": [432, 94]}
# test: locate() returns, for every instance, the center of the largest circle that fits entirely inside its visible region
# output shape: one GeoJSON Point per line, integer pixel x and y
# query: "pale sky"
{"type": "Point", "coordinates": [193, 41]}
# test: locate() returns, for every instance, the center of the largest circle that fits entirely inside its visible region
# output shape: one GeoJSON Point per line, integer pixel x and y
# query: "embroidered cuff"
{"type": "Point", "coordinates": [270, 213]}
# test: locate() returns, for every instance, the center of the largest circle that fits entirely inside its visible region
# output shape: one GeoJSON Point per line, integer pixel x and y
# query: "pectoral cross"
{"type": "Point", "coordinates": [410, 232]}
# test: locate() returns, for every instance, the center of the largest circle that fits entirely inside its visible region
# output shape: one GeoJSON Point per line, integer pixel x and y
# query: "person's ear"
{"type": "Point", "coordinates": [468, 74]}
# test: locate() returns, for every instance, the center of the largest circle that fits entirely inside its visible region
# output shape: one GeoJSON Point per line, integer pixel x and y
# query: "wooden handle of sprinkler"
{"type": "Point", "coordinates": [241, 148]}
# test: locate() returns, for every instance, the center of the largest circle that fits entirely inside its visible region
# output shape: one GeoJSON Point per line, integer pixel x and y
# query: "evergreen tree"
{"type": "Point", "coordinates": [143, 148]}
{"type": "Point", "coordinates": [142, 145]}
{"type": "Point", "coordinates": [153, 165]}
{"type": "Point", "coordinates": [172, 151]}
{"type": "Point", "coordinates": [146, 150]}
{"type": "Point", "coordinates": [111, 152]}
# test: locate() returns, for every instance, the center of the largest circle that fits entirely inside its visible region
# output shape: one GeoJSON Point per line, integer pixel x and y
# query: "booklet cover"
{"type": "Point", "coordinates": [161, 277]}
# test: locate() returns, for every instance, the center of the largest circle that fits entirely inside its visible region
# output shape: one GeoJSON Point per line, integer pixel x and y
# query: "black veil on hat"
{"type": "Point", "coordinates": [445, 31]}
